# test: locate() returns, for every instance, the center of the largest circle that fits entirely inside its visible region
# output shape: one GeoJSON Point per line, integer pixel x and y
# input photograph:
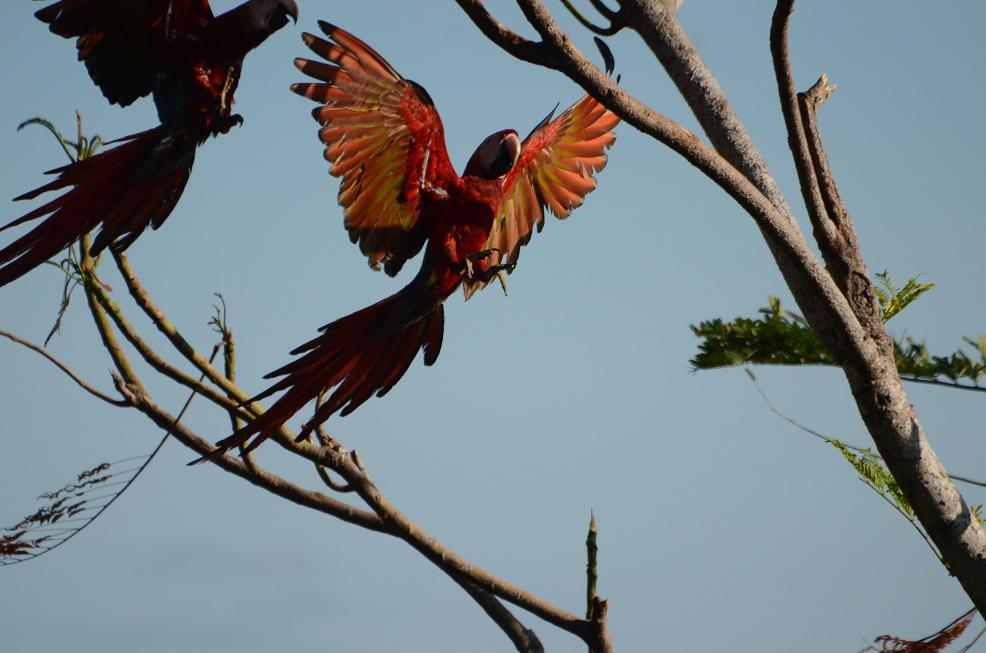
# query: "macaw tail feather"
{"type": "Point", "coordinates": [126, 188]}
{"type": "Point", "coordinates": [363, 354]}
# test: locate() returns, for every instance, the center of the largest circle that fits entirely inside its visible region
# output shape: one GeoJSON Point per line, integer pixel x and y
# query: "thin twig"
{"type": "Point", "coordinates": [910, 520]}
{"type": "Point", "coordinates": [150, 356]}
{"type": "Point", "coordinates": [82, 383]}
{"type": "Point", "coordinates": [790, 420]}
{"type": "Point", "coordinates": [165, 326]}
{"type": "Point", "coordinates": [136, 473]}
{"type": "Point", "coordinates": [968, 647]}
{"type": "Point", "coordinates": [258, 476]}
{"type": "Point", "coordinates": [944, 384]}
{"type": "Point", "coordinates": [825, 232]}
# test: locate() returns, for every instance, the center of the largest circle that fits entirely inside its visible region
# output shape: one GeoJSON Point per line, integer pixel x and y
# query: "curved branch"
{"type": "Point", "coordinates": [463, 571]}
{"type": "Point", "coordinates": [524, 49]}
{"type": "Point", "coordinates": [82, 383]}
{"type": "Point", "coordinates": [257, 476]}
{"type": "Point", "coordinates": [824, 230]}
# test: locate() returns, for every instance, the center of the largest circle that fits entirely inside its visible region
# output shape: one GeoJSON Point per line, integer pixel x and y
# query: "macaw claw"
{"type": "Point", "coordinates": [226, 123]}
{"type": "Point", "coordinates": [475, 256]}
{"type": "Point", "coordinates": [500, 272]}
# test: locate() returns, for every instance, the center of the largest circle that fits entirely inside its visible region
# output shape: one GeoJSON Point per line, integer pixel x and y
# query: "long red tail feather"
{"type": "Point", "coordinates": [363, 354]}
{"type": "Point", "coordinates": [126, 188]}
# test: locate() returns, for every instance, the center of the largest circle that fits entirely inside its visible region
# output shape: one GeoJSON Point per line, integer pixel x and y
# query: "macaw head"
{"type": "Point", "coordinates": [268, 16]}
{"type": "Point", "coordinates": [495, 156]}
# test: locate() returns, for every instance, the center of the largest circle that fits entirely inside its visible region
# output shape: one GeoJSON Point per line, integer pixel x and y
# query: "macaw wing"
{"type": "Point", "coordinates": [555, 171]}
{"type": "Point", "coordinates": [122, 42]}
{"type": "Point", "coordinates": [384, 138]}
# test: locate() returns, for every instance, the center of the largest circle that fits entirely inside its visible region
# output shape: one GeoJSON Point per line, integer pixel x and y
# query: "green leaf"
{"type": "Point", "coordinates": [779, 337]}
{"type": "Point", "coordinates": [893, 299]}
{"type": "Point", "coordinates": [870, 468]}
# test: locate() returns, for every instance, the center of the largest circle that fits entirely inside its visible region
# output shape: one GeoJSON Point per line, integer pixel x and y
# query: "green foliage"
{"type": "Point", "coordinates": [914, 361]}
{"type": "Point", "coordinates": [893, 299]}
{"type": "Point", "coordinates": [780, 337]}
{"type": "Point", "coordinates": [870, 468]}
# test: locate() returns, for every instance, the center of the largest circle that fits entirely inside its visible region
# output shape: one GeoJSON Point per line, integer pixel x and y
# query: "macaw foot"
{"type": "Point", "coordinates": [475, 256]}
{"type": "Point", "coordinates": [223, 124]}
{"type": "Point", "coordinates": [500, 272]}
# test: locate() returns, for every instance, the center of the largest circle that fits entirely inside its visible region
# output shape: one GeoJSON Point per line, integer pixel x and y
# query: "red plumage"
{"type": "Point", "coordinates": [399, 192]}
{"type": "Point", "coordinates": [191, 62]}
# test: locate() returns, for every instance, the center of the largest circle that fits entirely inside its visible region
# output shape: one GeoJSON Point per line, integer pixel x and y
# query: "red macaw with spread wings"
{"type": "Point", "coordinates": [399, 193]}
{"type": "Point", "coordinates": [190, 61]}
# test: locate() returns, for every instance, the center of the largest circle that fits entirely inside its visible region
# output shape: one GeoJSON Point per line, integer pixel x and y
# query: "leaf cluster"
{"type": "Point", "coordinates": [781, 337]}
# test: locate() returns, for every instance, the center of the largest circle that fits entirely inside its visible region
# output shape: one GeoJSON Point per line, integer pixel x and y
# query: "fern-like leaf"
{"type": "Point", "coordinates": [893, 299]}
{"type": "Point", "coordinates": [870, 468]}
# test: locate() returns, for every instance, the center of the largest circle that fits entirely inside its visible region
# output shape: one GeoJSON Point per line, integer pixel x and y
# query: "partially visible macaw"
{"type": "Point", "coordinates": [190, 61]}
{"type": "Point", "coordinates": [399, 193]}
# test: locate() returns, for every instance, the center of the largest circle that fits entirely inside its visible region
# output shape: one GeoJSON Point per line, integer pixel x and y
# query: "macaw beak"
{"type": "Point", "coordinates": [513, 147]}
{"type": "Point", "coordinates": [284, 9]}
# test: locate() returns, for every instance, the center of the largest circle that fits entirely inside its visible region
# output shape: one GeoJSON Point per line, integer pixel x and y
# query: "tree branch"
{"type": "Point", "coordinates": [65, 368]}
{"type": "Point", "coordinates": [874, 380]}
{"type": "Point", "coordinates": [348, 466]}
{"type": "Point", "coordinates": [862, 347]}
{"type": "Point", "coordinates": [165, 326]}
{"type": "Point", "coordinates": [256, 475]}
{"type": "Point", "coordinates": [824, 230]}
{"type": "Point", "coordinates": [524, 639]}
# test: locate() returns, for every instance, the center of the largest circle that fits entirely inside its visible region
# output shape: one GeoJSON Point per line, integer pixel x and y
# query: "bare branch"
{"type": "Point", "coordinates": [515, 44]}
{"type": "Point", "coordinates": [824, 230]}
{"type": "Point", "coordinates": [146, 352]}
{"type": "Point", "coordinates": [259, 477]}
{"type": "Point", "coordinates": [524, 639]}
{"type": "Point", "coordinates": [65, 368]}
{"type": "Point", "coordinates": [349, 467]}
{"type": "Point", "coordinates": [845, 262]}
{"type": "Point", "coordinates": [164, 325]}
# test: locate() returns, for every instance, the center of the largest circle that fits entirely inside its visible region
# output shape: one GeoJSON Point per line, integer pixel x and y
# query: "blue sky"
{"type": "Point", "coordinates": [720, 525]}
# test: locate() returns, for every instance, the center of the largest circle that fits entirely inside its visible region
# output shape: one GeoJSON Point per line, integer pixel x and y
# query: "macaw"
{"type": "Point", "coordinates": [399, 193]}
{"type": "Point", "coordinates": [190, 61]}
